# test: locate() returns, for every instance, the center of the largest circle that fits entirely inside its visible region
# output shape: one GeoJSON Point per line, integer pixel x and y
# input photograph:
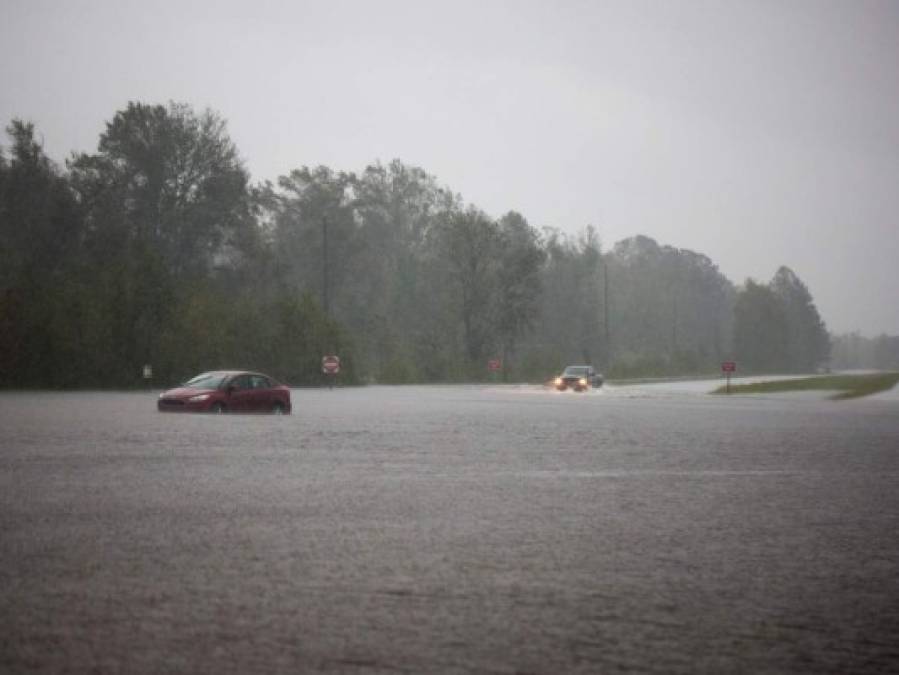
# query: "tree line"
{"type": "Point", "coordinates": [851, 351]}
{"type": "Point", "coordinates": [158, 249]}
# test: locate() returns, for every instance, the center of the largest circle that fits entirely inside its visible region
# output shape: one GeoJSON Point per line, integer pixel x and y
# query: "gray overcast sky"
{"type": "Point", "coordinates": [759, 133]}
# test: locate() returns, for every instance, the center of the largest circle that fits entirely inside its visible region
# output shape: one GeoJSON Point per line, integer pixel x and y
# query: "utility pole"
{"type": "Point", "coordinates": [675, 290]}
{"type": "Point", "coordinates": [325, 303]}
{"type": "Point", "coordinates": [674, 322]}
{"type": "Point", "coordinates": [605, 311]}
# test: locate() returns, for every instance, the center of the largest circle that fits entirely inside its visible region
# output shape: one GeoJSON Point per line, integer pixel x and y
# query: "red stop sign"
{"type": "Point", "coordinates": [494, 365]}
{"type": "Point", "coordinates": [729, 366]}
{"type": "Point", "coordinates": [330, 365]}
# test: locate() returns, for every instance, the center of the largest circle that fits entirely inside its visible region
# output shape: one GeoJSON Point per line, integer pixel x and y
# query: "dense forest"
{"type": "Point", "coordinates": [157, 249]}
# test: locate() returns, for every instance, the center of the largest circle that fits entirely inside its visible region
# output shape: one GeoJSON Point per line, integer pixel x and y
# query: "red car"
{"type": "Point", "coordinates": [227, 391]}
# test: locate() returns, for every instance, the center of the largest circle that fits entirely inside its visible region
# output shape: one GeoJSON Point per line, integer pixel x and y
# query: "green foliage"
{"type": "Point", "coordinates": [631, 365]}
{"type": "Point", "coordinates": [778, 328]}
{"type": "Point", "coordinates": [667, 303]}
{"type": "Point", "coordinates": [169, 180]}
{"type": "Point", "coordinates": [569, 320]}
{"type": "Point", "coordinates": [760, 327]}
{"type": "Point", "coordinates": [469, 243]}
{"type": "Point", "coordinates": [400, 370]}
{"type": "Point", "coordinates": [147, 252]}
{"type": "Point", "coordinates": [848, 386]}
{"type": "Point", "coordinates": [155, 249]}
{"type": "Point", "coordinates": [535, 365]}
{"type": "Point", "coordinates": [521, 258]}
{"type": "Point", "coordinates": [808, 345]}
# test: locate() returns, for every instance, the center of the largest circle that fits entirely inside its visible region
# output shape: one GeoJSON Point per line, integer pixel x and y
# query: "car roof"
{"type": "Point", "coordinates": [231, 373]}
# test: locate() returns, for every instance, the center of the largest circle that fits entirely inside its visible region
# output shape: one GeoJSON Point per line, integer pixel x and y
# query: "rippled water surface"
{"type": "Point", "coordinates": [451, 529]}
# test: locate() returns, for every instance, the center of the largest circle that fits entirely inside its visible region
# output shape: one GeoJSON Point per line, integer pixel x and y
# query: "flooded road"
{"type": "Point", "coordinates": [451, 529]}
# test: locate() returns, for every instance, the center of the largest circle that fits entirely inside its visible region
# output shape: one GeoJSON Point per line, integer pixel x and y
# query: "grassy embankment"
{"type": "Point", "coordinates": [848, 386]}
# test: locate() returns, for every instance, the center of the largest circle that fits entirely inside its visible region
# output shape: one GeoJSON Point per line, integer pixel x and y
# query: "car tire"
{"type": "Point", "coordinates": [217, 408]}
{"type": "Point", "coordinates": [278, 409]}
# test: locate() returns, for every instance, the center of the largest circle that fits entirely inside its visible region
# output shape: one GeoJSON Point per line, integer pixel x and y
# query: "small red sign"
{"type": "Point", "coordinates": [330, 365]}
{"type": "Point", "coordinates": [494, 365]}
{"type": "Point", "coordinates": [729, 367]}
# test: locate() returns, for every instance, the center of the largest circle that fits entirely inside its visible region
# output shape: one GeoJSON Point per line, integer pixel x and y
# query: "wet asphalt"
{"type": "Point", "coordinates": [450, 530]}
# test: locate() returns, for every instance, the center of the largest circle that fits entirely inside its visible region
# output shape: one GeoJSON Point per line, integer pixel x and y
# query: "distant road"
{"type": "Point", "coordinates": [451, 529]}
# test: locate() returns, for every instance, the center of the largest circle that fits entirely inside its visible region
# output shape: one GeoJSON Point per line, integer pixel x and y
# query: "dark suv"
{"type": "Point", "coordinates": [579, 378]}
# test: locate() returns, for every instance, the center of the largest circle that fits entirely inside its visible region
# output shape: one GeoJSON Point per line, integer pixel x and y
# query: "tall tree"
{"type": "Point", "coordinates": [518, 280]}
{"type": "Point", "coordinates": [671, 309]}
{"type": "Point", "coordinates": [394, 300]}
{"type": "Point", "coordinates": [173, 181]}
{"type": "Point", "coordinates": [808, 344]}
{"type": "Point", "coordinates": [315, 231]}
{"type": "Point", "coordinates": [40, 235]}
{"type": "Point", "coordinates": [166, 202]}
{"type": "Point", "coordinates": [469, 240]}
{"type": "Point", "coordinates": [40, 226]}
{"type": "Point", "coordinates": [761, 333]}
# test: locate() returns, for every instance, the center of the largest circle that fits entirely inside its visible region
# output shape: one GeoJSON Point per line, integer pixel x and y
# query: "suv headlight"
{"type": "Point", "coordinates": [582, 382]}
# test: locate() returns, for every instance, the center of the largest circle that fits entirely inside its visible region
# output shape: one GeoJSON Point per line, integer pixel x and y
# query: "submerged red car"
{"type": "Point", "coordinates": [223, 391]}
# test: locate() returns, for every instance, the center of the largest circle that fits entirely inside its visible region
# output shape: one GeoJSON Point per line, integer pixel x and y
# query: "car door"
{"type": "Point", "coordinates": [240, 398]}
{"type": "Point", "coordinates": [262, 393]}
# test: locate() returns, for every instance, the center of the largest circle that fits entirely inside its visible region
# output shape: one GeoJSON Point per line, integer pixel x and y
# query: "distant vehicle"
{"type": "Point", "coordinates": [579, 378]}
{"type": "Point", "coordinates": [227, 391]}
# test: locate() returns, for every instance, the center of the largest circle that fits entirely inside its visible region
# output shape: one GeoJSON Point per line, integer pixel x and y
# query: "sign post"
{"type": "Point", "coordinates": [148, 374]}
{"type": "Point", "coordinates": [331, 367]}
{"type": "Point", "coordinates": [494, 366]}
{"type": "Point", "coordinates": [727, 368]}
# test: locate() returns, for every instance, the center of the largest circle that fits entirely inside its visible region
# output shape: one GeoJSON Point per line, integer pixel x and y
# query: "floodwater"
{"type": "Point", "coordinates": [451, 529]}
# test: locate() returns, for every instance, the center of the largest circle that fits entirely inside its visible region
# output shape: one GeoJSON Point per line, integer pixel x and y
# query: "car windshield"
{"type": "Point", "coordinates": [577, 371]}
{"type": "Point", "coordinates": [206, 381]}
